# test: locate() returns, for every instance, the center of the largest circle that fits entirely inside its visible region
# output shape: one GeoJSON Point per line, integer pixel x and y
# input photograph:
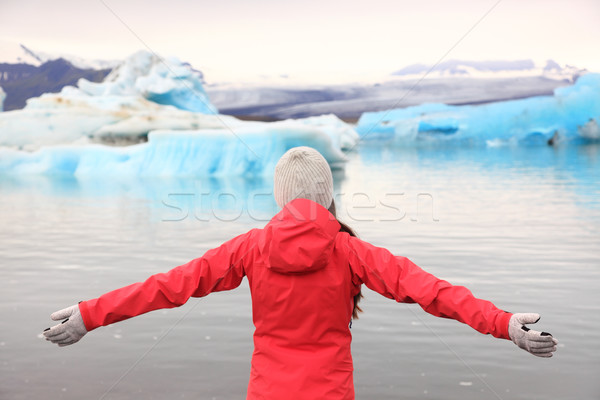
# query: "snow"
{"type": "Point", "coordinates": [489, 69]}
{"type": "Point", "coordinates": [164, 102]}
{"type": "Point", "coordinates": [76, 61]}
{"type": "Point", "coordinates": [460, 67]}
{"type": "Point", "coordinates": [15, 53]}
{"type": "Point", "coordinates": [571, 113]}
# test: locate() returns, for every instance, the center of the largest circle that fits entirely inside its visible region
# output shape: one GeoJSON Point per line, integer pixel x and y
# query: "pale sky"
{"type": "Point", "coordinates": [239, 39]}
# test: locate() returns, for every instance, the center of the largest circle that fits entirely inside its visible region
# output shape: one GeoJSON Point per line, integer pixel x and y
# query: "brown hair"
{"type": "Point", "coordinates": [349, 231]}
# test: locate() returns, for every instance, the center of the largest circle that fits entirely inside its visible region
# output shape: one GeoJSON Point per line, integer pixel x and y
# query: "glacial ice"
{"type": "Point", "coordinates": [341, 134]}
{"type": "Point", "coordinates": [590, 130]}
{"type": "Point", "coordinates": [122, 109]}
{"type": "Point", "coordinates": [69, 116]}
{"type": "Point", "coordinates": [163, 81]}
{"type": "Point", "coordinates": [252, 150]}
{"type": "Point", "coordinates": [570, 114]}
{"type": "Point", "coordinates": [67, 133]}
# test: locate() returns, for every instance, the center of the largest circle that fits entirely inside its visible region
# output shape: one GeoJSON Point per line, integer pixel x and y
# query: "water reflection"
{"type": "Point", "coordinates": [574, 168]}
{"type": "Point", "coordinates": [578, 166]}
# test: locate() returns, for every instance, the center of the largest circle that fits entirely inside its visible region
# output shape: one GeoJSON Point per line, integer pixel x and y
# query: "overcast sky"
{"type": "Point", "coordinates": [238, 39]}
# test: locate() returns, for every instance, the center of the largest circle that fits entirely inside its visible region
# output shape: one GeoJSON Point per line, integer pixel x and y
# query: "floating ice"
{"type": "Point", "coordinates": [164, 103]}
{"type": "Point", "coordinates": [341, 134]}
{"type": "Point", "coordinates": [252, 149]}
{"type": "Point", "coordinates": [571, 113]}
{"type": "Point", "coordinates": [143, 94]}
{"type": "Point", "coordinates": [590, 130]}
{"type": "Point", "coordinates": [163, 81]}
{"type": "Point", "coordinates": [68, 116]}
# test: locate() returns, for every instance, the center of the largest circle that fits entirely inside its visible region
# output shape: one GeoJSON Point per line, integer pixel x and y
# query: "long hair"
{"type": "Point", "coordinates": [349, 231]}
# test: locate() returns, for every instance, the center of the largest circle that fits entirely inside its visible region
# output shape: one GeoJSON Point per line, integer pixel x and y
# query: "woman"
{"type": "Point", "coordinates": [305, 272]}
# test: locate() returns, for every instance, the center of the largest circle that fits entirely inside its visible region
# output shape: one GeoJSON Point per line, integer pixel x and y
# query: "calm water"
{"type": "Point", "coordinates": [520, 227]}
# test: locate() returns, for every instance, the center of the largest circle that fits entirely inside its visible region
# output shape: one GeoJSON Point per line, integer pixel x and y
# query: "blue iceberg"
{"type": "Point", "coordinates": [572, 113]}
{"type": "Point", "coordinates": [162, 81]}
{"type": "Point", "coordinates": [342, 135]}
{"type": "Point", "coordinates": [151, 117]}
{"type": "Point", "coordinates": [252, 149]}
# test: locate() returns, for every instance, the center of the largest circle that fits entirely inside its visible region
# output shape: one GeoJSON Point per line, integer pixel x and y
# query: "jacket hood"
{"type": "Point", "coordinates": [300, 238]}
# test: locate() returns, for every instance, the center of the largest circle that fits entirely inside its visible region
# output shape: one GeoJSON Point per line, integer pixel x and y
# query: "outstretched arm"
{"type": "Point", "coordinates": [218, 269]}
{"type": "Point", "coordinates": [400, 279]}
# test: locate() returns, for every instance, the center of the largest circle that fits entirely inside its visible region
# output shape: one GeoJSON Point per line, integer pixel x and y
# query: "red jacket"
{"type": "Point", "coordinates": [303, 275]}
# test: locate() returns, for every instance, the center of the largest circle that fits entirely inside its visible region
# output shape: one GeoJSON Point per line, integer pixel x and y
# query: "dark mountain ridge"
{"type": "Point", "coordinates": [22, 81]}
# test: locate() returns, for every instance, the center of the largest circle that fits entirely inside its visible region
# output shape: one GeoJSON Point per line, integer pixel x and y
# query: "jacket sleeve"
{"type": "Point", "coordinates": [218, 269]}
{"type": "Point", "coordinates": [400, 279]}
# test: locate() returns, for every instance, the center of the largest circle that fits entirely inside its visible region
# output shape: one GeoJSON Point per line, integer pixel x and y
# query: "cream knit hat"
{"type": "Point", "coordinates": [303, 173]}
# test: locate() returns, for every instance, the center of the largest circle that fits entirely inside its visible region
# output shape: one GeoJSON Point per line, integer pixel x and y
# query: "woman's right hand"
{"type": "Point", "coordinates": [540, 344]}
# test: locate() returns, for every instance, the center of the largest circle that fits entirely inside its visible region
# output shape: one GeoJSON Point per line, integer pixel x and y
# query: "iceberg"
{"type": "Point", "coordinates": [142, 94]}
{"type": "Point", "coordinates": [152, 118]}
{"type": "Point", "coordinates": [590, 130]}
{"type": "Point", "coordinates": [571, 114]}
{"type": "Point", "coordinates": [163, 81]}
{"type": "Point", "coordinates": [252, 150]}
{"type": "Point", "coordinates": [341, 134]}
{"type": "Point", "coordinates": [69, 116]}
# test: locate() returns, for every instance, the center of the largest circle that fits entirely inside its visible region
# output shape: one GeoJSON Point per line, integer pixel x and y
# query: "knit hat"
{"type": "Point", "coordinates": [303, 173]}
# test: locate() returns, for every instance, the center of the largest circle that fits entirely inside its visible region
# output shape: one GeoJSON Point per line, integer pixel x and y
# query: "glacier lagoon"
{"type": "Point", "coordinates": [107, 183]}
{"type": "Point", "coordinates": [517, 225]}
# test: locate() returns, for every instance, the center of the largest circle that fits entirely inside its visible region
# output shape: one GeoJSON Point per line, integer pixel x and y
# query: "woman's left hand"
{"type": "Point", "coordinates": [70, 331]}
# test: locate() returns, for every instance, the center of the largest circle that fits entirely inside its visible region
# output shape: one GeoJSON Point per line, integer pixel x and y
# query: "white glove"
{"type": "Point", "coordinates": [70, 331]}
{"type": "Point", "coordinates": [540, 344]}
